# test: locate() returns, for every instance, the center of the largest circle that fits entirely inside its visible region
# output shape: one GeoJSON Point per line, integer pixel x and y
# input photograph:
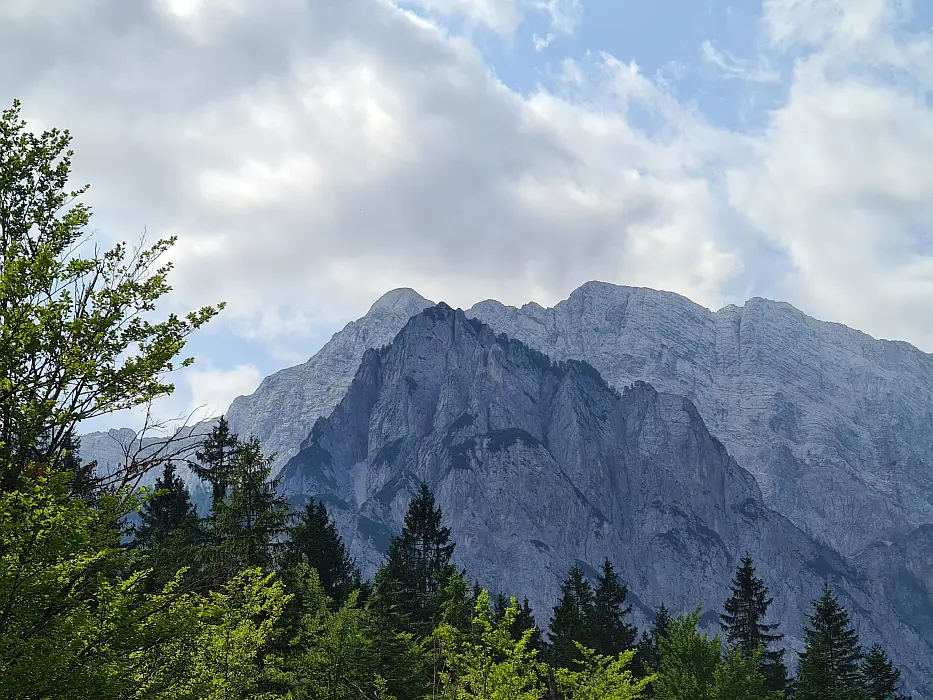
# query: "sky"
{"type": "Point", "coordinates": [311, 155]}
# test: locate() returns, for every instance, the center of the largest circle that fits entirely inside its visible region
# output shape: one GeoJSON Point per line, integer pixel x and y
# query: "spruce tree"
{"type": "Point", "coordinates": [648, 651]}
{"type": "Point", "coordinates": [571, 620]}
{"type": "Point", "coordinates": [743, 623]}
{"type": "Point", "coordinates": [418, 562]}
{"type": "Point", "coordinates": [314, 537]}
{"type": "Point", "coordinates": [611, 633]}
{"type": "Point", "coordinates": [216, 460]}
{"type": "Point", "coordinates": [169, 531]}
{"type": "Point", "coordinates": [829, 665]}
{"type": "Point", "coordinates": [249, 522]}
{"type": "Point", "coordinates": [880, 679]}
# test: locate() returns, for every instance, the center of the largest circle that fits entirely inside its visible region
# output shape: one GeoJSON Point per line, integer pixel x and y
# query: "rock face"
{"type": "Point", "coordinates": [286, 403]}
{"type": "Point", "coordinates": [538, 465]}
{"type": "Point", "coordinates": [837, 427]}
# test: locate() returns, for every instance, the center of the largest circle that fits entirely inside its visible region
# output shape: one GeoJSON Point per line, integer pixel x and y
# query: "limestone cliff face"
{"type": "Point", "coordinates": [837, 427]}
{"type": "Point", "coordinates": [286, 403]}
{"type": "Point", "coordinates": [538, 465]}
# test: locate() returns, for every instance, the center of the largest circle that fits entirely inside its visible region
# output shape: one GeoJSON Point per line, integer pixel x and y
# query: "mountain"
{"type": "Point", "coordinates": [539, 465]}
{"type": "Point", "coordinates": [285, 405]}
{"type": "Point", "coordinates": [836, 426]}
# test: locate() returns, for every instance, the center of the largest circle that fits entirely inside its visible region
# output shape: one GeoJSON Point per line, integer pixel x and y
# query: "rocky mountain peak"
{"type": "Point", "coordinates": [403, 300]}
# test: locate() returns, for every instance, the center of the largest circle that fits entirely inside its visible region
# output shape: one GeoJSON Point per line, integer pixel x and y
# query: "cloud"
{"type": "Point", "coordinates": [311, 156]}
{"type": "Point", "coordinates": [214, 389]}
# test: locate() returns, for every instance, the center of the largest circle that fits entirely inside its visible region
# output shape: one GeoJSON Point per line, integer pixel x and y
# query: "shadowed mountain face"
{"type": "Point", "coordinates": [538, 465]}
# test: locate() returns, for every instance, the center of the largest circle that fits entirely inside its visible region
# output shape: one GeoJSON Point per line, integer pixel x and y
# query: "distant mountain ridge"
{"type": "Point", "coordinates": [539, 465]}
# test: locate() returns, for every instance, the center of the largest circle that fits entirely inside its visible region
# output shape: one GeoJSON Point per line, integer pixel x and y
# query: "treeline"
{"type": "Point", "coordinates": [253, 600]}
{"type": "Point", "coordinates": [421, 629]}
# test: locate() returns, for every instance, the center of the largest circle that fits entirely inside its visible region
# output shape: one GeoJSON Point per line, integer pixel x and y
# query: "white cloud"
{"type": "Point", "coordinates": [731, 67]}
{"type": "Point", "coordinates": [212, 389]}
{"type": "Point", "coordinates": [312, 155]}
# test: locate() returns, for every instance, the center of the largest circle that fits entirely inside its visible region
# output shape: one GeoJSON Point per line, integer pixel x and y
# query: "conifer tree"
{"type": "Point", "coordinates": [829, 665]}
{"type": "Point", "coordinates": [524, 620]}
{"type": "Point", "coordinates": [253, 517]}
{"type": "Point", "coordinates": [169, 531]}
{"type": "Point", "coordinates": [611, 633]}
{"type": "Point", "coordinates": [648, 653]}
{"type": "Point", "coordinates": [418, 562]}
{"type": "Point", "coordinates": [743, 623]}
{"type": "Point", "coordinates": [314, 536]}
{"type": "Point", "coordinates": [216, 460]}
{"type": "Point", "coordinates": [881, 680]}
{"type": "Point", "coordinates": [571, 620]}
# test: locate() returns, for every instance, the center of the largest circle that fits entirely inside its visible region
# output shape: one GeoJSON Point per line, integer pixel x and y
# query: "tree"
{"type": "Point", "coordinates": [611, 633]}
{"type": "Point", "coordinates": [648, 652]}
{"type": "Point", "coordinates": [216, 461]}
{"type": "Point", "coordinates": [491, 667]}
{"type": "Point", "coordinates": [314, 536]}
{"type": "Point", "coordinates": [69, 621]}
{"type": "Point", "coordinates": [571, 620]}
{"type": "Point", "coordinates": [744, 624]}
{"type": "Point", "coordinates": [169, 532]}
{"type": "Point", "coordinates": [524, 620]}
{"type": "Point", "coordinates": [75, 340]}
{"type": "Point", "coordinates": [418, 562]}
{"type": "Point", "coordinates": [829, 665]}
{"type": "Point", "coordinates": [601, 678]}
{"type": "Point", "coordinates": [252, 517]}
{"type": "Point", "coordinates": [880, 678]}
{"type": "Point", "coordinates": [688, 661]}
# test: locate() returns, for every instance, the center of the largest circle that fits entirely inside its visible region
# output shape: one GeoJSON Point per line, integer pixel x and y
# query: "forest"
{"type": "Point", "coordinates": [110, 590]}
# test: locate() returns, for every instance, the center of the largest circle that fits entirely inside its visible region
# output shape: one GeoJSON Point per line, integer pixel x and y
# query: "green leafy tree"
{"type": "Point", "coordinates": [248, 523]}
{"type": "Point", "coordinates": [611, 633]}
{"type": "Point", "coordinates": [314, 536]}
{"type": "Point", "coordinates": [418, 562]}
{"type": "Point", "coordinates": [830, 663]}
{"type": "Point", "coordinates": [741, 678]}
{"type": "Point", "coordinates": [881, 680]}
{"type": "Point", "coordinates": [69, 621]}
{"type": "Point", "coordinates": [601, 678]}
{"type": "Point", "coordinates": [688, 663]}
{"type": "Point", "coordinates": [489, 664]}
{"type": "Point", "coordinates": [216, 461]}
{"type": "Point", "coordinates": [570, 622]}
{"type": "Point", "coordinates": [743, 623]}
{"type": "Point", "coordinates": [169, 531]}
{"type": "Point", "coordinates": [75, 336]}
{"type": "Point", "coordinates": [525, 620]}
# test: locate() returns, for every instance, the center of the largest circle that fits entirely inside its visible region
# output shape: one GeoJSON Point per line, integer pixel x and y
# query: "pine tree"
{"type": "Point", "coordinates": [610, 632]}
{"type": "Point", "coordinates": [250, 521]}
{"type": "Point", "coordinates": [419, 562]}
{"type": "Point", "coordinates": [880, 678]}
{"type": "Point", "coordinates": [648, 652]}
{"type": "Point", "coordinates": [314, 536]}
{"type": "Point", "coordinates": [829, 665]}
{"type": "Point", "coordinates": [169, 531]}
{"type": "Point", "coordinates": [216, 460]}
{"type": "Point", "coordinates": [744, 626]}
{"type": "Point", "coordinates": [571, 620]}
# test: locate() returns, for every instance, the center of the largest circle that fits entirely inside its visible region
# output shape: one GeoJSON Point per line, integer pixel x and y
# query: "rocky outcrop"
{"type": "Point", "coordinates": [538, 465]}
{"type": "Point", "coordinates": [836, 426]}
{"type": "Point", "coordinates": [286, 403]}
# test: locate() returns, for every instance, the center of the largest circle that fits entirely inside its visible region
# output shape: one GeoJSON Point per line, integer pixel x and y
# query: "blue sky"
{"type": "Point", "coordinates": [311, 155]}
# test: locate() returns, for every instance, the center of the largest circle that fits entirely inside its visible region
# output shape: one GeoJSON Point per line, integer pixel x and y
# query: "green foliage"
{"type": "Point", "coordinates": [216, 460]}
{"type": "Point", "coordinates": [601, 678]}
{"type": "Point", "coordinates": [69, 621]}
{"type": "Point", "coordinates": [169, 533]}
{"type": "Point", "coordinates": [75, 338]}
{"type": "Point", "coordinates": [488, 664]}
{"type": "Point", "coordinates": [881, 680]}
{"type": "Point", "coordinates": [744, 625]}
{"type": "Point", "coordinates": [247, 523]}
{"type": "Point", "coordinates": [571, 620]}
{"type": "Point", "coordinates": [648, 651]}
{"type": "Point", "coordinates": [314, 537]}
{"type": "Point", "coordinates": [611, 633]}
{"type": "Point", "coordinates": [418, 564]}
{"type": "Point", "coordinates": [829, 665]}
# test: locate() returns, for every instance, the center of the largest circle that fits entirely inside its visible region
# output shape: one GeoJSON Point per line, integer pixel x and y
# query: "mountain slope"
{"type": "Point", "coordinates": [286, 403]}
{"type": "Point", "coordinates": [538, 465]}
{"type": "Point", "coordinates": [837, 427]}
